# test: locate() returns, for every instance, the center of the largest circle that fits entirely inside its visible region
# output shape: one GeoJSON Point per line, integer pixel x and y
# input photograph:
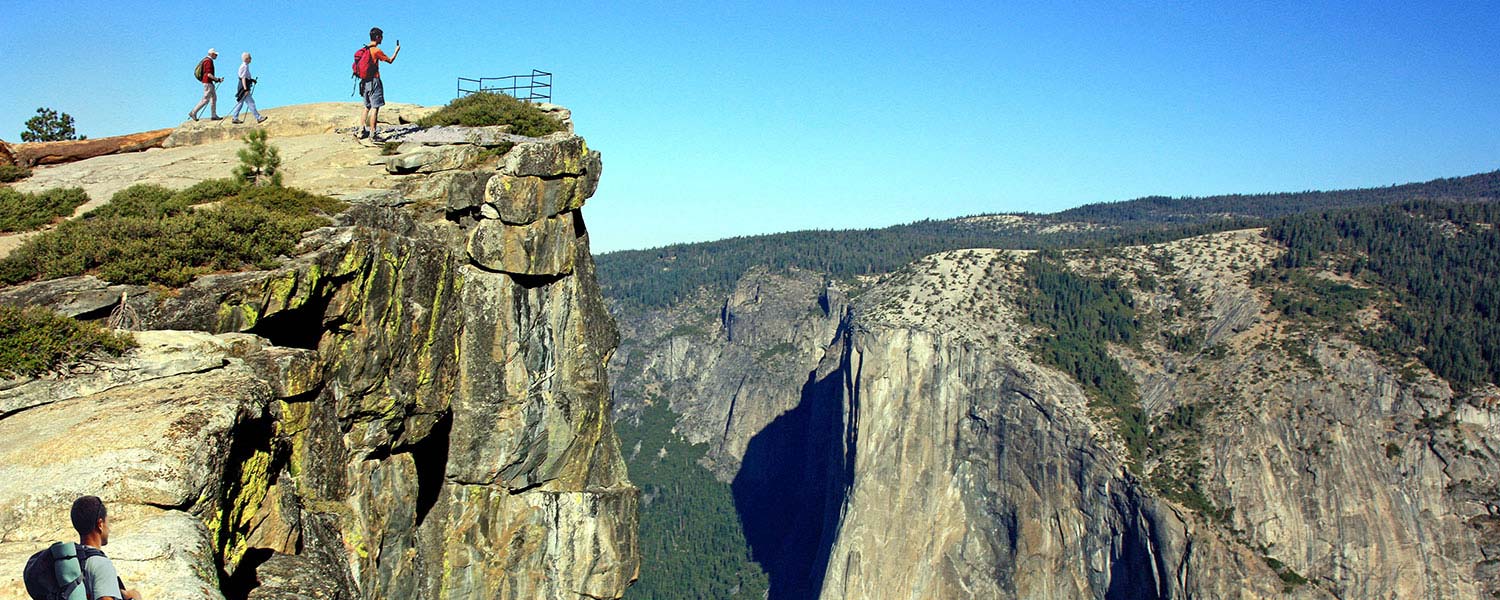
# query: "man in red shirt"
{"type": "Point", "coordinates": [210, 97]}
{"type": "Point", "coordinates": [371, 89]}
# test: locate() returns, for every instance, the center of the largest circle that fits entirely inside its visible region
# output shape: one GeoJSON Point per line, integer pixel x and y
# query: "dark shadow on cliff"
{"type": "Point", "coordinates": [791, 485]}
{"type": "Point", "coordinates": [300, 327]}
{"type": "Point", "coordinates": [1135, 568]}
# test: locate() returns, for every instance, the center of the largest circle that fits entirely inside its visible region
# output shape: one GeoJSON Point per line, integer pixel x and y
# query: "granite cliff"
{"type": "Point", "coordinates": [414, 405]}
{"type": "Point", "coordinates": [923, 449]}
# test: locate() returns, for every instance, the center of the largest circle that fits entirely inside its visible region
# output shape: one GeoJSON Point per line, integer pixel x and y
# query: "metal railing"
{"type": "Point", "coordinates": [536, 87]}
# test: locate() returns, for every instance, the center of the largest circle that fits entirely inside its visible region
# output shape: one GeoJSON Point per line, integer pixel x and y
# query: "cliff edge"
{"type": "Point", "coordinates": [413, 405]}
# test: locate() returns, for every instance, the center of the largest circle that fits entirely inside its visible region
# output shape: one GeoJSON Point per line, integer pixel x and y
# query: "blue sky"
{"type": "Point", "coordinates": [723, 119]}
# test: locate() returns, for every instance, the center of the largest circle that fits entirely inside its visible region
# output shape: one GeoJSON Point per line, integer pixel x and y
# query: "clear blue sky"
{"type": "Point", "coordinates": [723, 119]}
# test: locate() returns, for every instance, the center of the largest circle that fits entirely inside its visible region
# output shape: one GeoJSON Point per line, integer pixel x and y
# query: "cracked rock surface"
{"type": "Point", "coordinates": [388, 413]}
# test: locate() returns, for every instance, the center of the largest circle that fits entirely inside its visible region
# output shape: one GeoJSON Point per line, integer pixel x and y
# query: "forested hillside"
{"type": "Point", "coordinates": [1438, 261]}
{"type": "Point", "coordinates": [664, 276]}
{"type": "Point", "coordinates": [691, 543]}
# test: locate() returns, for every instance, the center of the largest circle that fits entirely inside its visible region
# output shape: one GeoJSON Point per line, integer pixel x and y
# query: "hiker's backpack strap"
{"type": "Point", "coordinates": [84, 554]}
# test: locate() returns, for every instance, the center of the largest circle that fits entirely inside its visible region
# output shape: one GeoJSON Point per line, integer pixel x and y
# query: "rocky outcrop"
{"type": "Point", "coordinates": [388, 414]}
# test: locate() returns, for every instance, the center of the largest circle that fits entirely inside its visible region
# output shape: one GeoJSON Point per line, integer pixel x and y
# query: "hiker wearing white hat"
{"type": "Point", "coordinates": [242, 94]}
{"type": "Point", "coordinates": [205, 74]}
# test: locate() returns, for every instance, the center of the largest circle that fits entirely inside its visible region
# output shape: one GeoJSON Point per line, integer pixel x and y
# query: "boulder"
{"type": "Point", "coordinates": [85, 296]}
{"type": "Point", "coordinates": [160, 355]}
{"type": "Point", "coordinates": [554, 155]}
{"type": "Point", "coordinates": [431, 160]}
{"type": "Point", "coordinates": [596, 553]}
{"type": "Point", "coordinates": [545, 247]}
{"type": "Point", "coordinates": [562, 114]}
{"type": "Point", "coordinates": [467, 189]}
{"type": "Point", "coordinates": [523, 200]}
{"type": "Point", "coordinates": [153, 448]}
{"type": "Point", "coordinates": [378, 371]}
{"type": "Point", "coordinates": [286, 577]}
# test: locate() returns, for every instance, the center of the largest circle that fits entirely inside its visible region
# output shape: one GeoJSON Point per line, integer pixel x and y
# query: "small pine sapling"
{"type": "Point", "coordinates": [259, 161]}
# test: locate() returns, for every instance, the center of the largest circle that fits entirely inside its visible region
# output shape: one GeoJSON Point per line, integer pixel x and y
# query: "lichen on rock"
{"type": "Point", "coordinates": [333, 414]}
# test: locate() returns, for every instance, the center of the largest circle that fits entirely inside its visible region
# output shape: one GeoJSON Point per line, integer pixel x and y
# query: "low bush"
{"type": "Point", "coordinates": [25, 211]}
{"type": "Point", "coordinates": [148, 234]}
{"type": "Point", "coordinates": [479, 110]}
{"type": "Point", "coordinates": [13, 173]}
{"type": "Point", "coordinates": [35, 340]}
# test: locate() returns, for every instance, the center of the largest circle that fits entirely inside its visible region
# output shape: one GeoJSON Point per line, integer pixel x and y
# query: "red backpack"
{"type": "Point", "coordinates": [364, 63]}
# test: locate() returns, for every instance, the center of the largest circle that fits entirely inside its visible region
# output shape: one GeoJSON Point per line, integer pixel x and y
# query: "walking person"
{"type": "Point", "coordinates": [370, 87]}
{"type": "Point", "coordinates": [242, 95]}
{"type": "Point", "coordinates": [205, 73]}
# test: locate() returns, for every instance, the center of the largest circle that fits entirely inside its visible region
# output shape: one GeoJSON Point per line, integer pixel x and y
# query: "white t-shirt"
{"type": "Point", "coordinates": [244, 70]}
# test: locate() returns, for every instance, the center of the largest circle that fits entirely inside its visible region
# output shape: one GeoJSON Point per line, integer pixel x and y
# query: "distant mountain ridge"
{"type": "Point", "coordinates": [1162, 209]}
{"type": "Point", "coordinates": [663, 276]}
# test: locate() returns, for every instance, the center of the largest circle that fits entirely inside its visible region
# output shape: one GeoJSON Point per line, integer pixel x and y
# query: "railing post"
{"type": "Point", "coordinates": [511, 85]}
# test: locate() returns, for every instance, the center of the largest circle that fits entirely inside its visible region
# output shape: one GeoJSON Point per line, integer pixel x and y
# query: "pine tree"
{"type": "Point", "coordinates": [259, 161]}
{"type": "Point", "coordinates": [50, 126]}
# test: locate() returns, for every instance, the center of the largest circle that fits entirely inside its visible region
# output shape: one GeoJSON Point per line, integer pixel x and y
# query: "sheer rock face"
{"type": "Point", "coordinates": [931, 455]}
{"type": "Point", "coordinates": [384, 416]}
{"type": "Point", "coordinates": [729, 366]}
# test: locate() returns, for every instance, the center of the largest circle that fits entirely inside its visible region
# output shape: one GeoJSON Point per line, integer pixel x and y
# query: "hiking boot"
{"type": "Point", "coordinates": [261, 119]}
{"type": "Point", "coordinates": [377, 139]}
{"type": "Point", "coordinates": [216, 118]}
{"type": "Point", "coordinates": [236, 121]}
{"type": "Point", "coordinates": [193, 116]}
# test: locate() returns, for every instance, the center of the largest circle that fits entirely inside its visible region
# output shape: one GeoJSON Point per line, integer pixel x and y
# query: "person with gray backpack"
{"type": "Point", "coordinates": [68, 571]}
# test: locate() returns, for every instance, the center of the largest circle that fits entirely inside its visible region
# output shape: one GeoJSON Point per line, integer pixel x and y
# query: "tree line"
{"type": "Point", "coordinates": [691, 542]}
{"type": "Point", "coordinates": [1439, 260]}
{"type": "Point", "coordinates": [664, 276]}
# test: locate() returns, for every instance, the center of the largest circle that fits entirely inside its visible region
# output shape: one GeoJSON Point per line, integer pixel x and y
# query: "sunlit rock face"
{"type": "Point", "coordinates": [413, 406]}
{"type": "Point", "coordinates": [926, 451]}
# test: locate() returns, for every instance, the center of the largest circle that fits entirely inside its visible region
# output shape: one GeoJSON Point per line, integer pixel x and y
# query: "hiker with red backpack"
{"type": "Point", "coordinates": [62, 568]}
{"type": "Point", "coordinates": [367, 69]}
{"type": "Point", "coordinates": [204, 73]}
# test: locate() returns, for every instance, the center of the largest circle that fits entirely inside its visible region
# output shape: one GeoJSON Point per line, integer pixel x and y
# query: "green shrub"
{"type": "Point", "coordinates": [478, 110]}
{"type": "Point", "coordinates": [13, 173]}
{"type": "Point", "coordinates": [151, 201]}
{"type": "Point", "coordinates": [27, 211]}
{"type": "Point", "coordinates": [35, 340]}
{"type": "Point", "coordinates": [209, 191]}
{"type": "Point", "coordinates": [145, 200]}
{"type": "Point", "coordinates": [152, 236]}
